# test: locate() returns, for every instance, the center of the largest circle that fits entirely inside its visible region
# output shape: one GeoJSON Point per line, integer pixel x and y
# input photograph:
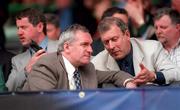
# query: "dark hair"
{"type": "Point", "coordinates": [53, 19]}
{"type": "Point", "coordinates": [34, 16]}
{"type": "Point", "coordinates": [173, 14]}
{"type": "Point", "coordinates": [111, 11]}
{"type": "Point", "coordinates": [107, 22]}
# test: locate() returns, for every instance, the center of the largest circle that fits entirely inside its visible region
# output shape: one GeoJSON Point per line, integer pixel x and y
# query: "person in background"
{"type": "Point", "coordinates": [31, 26]}
{"type": "Point", "coordinates": [53, 28]}
{"type": "Point", "coordinates": [175, 4]}
{"type": "Point", "coordinates": [167, 25]}
{"type": "Point", "coordinates": [70, 67]}
{"type": "Point", "coordinates": [117, 12]}
{"type": "Point", "coordinates": [141, 18]}
{"type": "Point", "coordinates": [146, 60]}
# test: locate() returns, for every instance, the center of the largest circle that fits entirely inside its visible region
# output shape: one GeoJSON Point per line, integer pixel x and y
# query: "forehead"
{"type": "Point", "coordinates": [112, 32]}
{"type": "Point", "coordinates": [163, 20]}
{"type": "Point", "coordinates": [22, 20]}
{"type": "Point", "coordinates": [83, 36]}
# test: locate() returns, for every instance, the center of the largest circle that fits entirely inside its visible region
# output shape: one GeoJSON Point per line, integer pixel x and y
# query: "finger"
{"type": "Point", "coordinates": [139, 81]}
{"type": "Point", "coordinates": [140, 74]}
{"type": "Point", "coordinates": [39, 52]}
{"type": "Point", "coordinates": [140, 77]}
{"type": "Point", "coordinates": [42, 54]}
{"type": "Point", "coordinates": [142, 66]}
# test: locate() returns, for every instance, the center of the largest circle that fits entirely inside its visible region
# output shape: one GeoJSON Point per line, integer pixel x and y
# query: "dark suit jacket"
{"type": "Point", "coordinates": [5, 61]}
{"type": "Point", "coordinates": [49, 73]}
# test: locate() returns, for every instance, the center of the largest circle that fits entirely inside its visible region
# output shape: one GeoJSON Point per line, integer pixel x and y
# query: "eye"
{"type": "Point", "coordinates": [105, 42]}
{"type": "Point", "coordinates": [114, 39]}
{"type": "Point", "coordinates": [163, 27]}
{"type": "Point", "coordinates": [84, 44]}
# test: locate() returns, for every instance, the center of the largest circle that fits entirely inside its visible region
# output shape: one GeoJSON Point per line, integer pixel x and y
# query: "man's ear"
{"type": "Point", "coordinates": [40, 27]}
{"type": "Point", "coordinates": [127, 33]}
{"type": "Point", "coordinates": [178, 27]}
{"type": "Point", "coordinates": [66, 47]}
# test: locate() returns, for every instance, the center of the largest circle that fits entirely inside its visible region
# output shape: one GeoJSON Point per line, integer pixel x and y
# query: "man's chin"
{"type": "Point", "coordinates": [162, 40]}
{"type": "Point", "coordinates": [85, 62]}
{"type": "Point", "coordinates": [118, 57]}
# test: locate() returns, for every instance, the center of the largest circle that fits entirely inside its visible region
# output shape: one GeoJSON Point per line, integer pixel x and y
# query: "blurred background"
{"type": "Point", "coordinates": [85, 12]}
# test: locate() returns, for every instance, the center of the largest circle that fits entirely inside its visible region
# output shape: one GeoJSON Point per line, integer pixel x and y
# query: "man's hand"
{"type": "Point", "coordinates": [144, 76]}
{"type": "Point", "coordinates": [33, 60]}
{"type": "Point", "coordinates": [131, 84]}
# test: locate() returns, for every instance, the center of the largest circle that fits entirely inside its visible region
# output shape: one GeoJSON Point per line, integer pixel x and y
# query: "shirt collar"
{"type": "Point", "coordinates": [43, 44]}
{"type": "Point", "coordinates": [69, 67]}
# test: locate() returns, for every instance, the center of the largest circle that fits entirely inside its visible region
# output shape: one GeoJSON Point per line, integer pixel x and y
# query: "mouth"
{"type": "Point", "coordinates": [88, 56]}
{"type": "Point", "coordinates": [160, 36]}
{"type": "Point", "coordinates": [21, 40]}
{"type": "Point", "coordinates": [115, 52]}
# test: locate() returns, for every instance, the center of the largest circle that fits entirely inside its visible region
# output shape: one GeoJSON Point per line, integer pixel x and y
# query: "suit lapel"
{"type": "Point", "coordinates": [64, 74]}
{"type": "Point", "coordinates": [138, 56]}
{"type": "Point", "coordinates": [24, 59]}
{"type": "Point", "coordinates": [111, 63]}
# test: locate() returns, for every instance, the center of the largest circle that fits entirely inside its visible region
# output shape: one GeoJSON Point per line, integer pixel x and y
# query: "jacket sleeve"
{"type": "Point", "coordinates": [41, 77]}
{"type": "Point", "coordinates": [16, 78]}
{"type": "Point", "coordinates": [116, 77]}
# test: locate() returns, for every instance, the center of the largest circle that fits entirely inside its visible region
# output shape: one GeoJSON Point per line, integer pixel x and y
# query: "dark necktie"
{"type": "Point", "coordinates": [77, 79]}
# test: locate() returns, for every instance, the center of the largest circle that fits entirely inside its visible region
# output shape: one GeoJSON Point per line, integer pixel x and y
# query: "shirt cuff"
{"type": "Point", "coordinates": [159, 78]}
{"type": "Point", "coordinates": [127, 80]}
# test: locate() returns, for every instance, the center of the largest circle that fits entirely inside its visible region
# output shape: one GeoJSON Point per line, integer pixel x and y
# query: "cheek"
{"type": "Point", "coordinates": [169, 32]}
{"type": "Point", "coordinates": [50, 33]}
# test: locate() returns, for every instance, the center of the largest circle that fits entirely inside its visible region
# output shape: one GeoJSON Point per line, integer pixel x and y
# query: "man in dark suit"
{"type": "Point", "coordinates": [56, 70]}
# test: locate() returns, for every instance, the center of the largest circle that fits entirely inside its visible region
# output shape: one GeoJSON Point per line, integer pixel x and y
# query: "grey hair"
{"type": "Point", "coordinates": [69, 35]}
{"type": "Point", "coordinates": [107, 22]}
{"type": "Point", "coordinates": [173, 14]}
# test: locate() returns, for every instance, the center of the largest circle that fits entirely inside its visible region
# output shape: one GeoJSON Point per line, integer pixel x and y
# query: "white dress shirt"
{"type": "Point", "coordinates": [70, 70]}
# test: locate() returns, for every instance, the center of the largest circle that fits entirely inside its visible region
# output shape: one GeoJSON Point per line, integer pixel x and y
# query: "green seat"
{"type": "Point", "coordinates": [2, 82]}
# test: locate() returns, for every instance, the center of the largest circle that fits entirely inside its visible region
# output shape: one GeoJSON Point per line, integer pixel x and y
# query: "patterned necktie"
{"type": "Point", "coordinates": [77, 79]}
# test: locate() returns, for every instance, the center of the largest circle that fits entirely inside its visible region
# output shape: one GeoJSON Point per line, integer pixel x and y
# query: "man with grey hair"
{"type": "Point", "coordinates": [70, 67]}
{"type": "Point", "coordinates": [167, 28]}
{"type": "Point", "coordinates": [146, 60]}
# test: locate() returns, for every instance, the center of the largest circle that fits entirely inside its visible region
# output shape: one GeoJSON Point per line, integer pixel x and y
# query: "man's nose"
{"type": "Point", "coordinates": [158, 30]}
{"type": "Point", "coordinates": [111, 45]}
{"type": "Point", "coordinates": [90, 49]}
{"type": "Point", "coordinates": [19, 31]}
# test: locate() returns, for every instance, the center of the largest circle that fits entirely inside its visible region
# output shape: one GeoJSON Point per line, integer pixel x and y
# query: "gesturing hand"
{"type": "Point", "coordinates": [34, 58]}
{"type": "Point", "coordinates": [144, 75]}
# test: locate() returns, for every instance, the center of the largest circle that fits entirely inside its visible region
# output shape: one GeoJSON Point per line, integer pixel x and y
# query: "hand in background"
{"type": "Point", "coordinates": [136, 12]}
{"type": "Point", "coordinates": [34, 58]}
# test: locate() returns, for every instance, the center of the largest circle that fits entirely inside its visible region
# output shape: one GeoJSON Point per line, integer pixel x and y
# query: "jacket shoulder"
{"type": "Point", "coordinates": [146, 44]}
{"type": "Point", "coordinates": [50, 57]}
{"type": "Point", "coordinates": [100, 58]}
